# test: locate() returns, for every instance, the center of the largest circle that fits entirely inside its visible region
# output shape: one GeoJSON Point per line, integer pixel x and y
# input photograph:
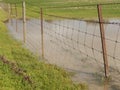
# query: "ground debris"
{"type": "Point", "coordinates": [14, 67]}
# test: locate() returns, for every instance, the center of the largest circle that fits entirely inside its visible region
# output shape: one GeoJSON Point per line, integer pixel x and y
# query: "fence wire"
{"type": "Point", "coordinates": [74, 44]}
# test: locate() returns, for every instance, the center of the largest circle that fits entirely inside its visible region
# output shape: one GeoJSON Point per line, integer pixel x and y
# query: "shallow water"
{"type": "Point", "coordinates": [76, 46]}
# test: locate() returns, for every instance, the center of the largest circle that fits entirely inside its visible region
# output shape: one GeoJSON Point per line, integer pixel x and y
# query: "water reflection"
{"type": "Point", "coordinates": [65, 43]}
{"type": "Point", "coordinates": [106, 85]}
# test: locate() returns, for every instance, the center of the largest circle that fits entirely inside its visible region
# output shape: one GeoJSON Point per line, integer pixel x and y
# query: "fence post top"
{"type": "Point", "coordinates": [99, 4]}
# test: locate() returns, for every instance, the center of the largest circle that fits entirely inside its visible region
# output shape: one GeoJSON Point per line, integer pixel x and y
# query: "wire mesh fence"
{"type": "Point", "coordinates": [72, 41]}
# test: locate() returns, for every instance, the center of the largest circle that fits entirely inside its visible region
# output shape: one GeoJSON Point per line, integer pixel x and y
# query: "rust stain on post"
{"type": "Point", "coordinates": [102, 32]}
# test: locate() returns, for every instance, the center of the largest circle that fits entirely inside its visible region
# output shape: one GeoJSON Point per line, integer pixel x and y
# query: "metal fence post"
{"type": "Point", "coordinates": [16, 17]}
{"type": "Point", "coordinates": [24, 21]}
{"type": "Point", "coordinates": [42, 36]}
{"type": "Point", "coordinates": [102, 32]}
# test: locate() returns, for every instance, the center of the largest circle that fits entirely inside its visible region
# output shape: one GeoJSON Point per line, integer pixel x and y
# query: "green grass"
{"type": "Point", "coordinates": [84, 12]}
{"type": "Point", "coordinates": [44, 76]}
{"type": "Point", "coordinates": [3, 15]}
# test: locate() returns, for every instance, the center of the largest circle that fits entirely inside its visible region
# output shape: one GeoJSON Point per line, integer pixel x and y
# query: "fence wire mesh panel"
{"type": "Point", "coordinates": [15, 23]}
{"type": "Point", "coordinates": [72, 41]}
{"type": "Point", "coordinates": [76, 46]}
{"type": "Point", "coordinates": [112, 33]}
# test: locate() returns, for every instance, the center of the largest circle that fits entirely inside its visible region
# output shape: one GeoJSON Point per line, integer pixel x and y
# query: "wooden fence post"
{"type": "Point", "coordinates": [16, 17]}
{"type": "Point", "coordinates": [102, 32]}
{"type": "Point", "coordinates": [24, 21]}
{"type": "Point", "coordinates": [9, 13]}
{"type": "Point", "coordinates": [42, 36]}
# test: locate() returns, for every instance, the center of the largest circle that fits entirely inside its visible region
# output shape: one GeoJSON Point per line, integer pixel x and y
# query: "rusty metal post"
{"type": "Point", "coordinates": [42, 36]}
{"type": "Point", "coordinates": [24, 21]}
{"type": "Point", "coordinates": [102, 32]}
{"type": "Point", "coordinates": [16, 17]}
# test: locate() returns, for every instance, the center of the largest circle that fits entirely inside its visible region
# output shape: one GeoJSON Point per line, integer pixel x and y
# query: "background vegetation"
{"type": "Point", "coordinates": [77, 9]}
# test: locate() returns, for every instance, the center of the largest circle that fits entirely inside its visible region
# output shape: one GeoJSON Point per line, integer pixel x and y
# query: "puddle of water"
{"type": "Point", "coordinates": [75, 46]}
